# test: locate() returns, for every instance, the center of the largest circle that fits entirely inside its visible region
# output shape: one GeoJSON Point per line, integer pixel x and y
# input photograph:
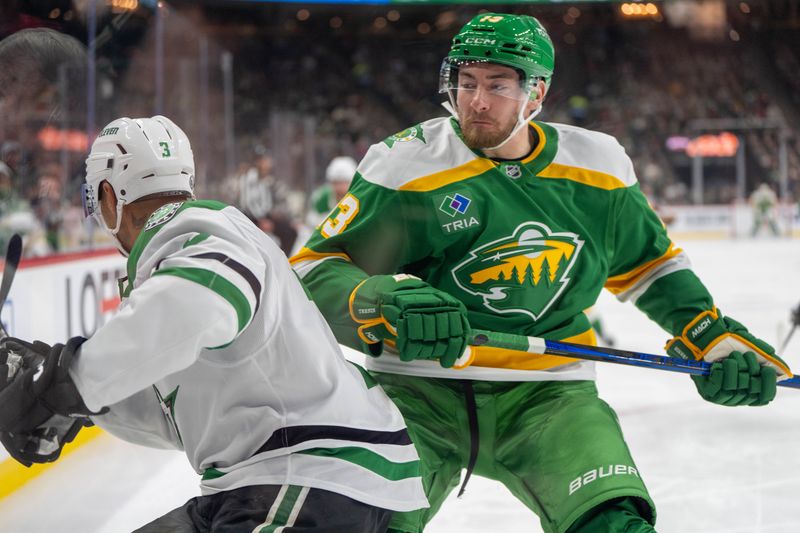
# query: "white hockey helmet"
{"type": "Point", "coordinates": [138, 157]}
{"type": "Point", "coordinates": [341, 169]}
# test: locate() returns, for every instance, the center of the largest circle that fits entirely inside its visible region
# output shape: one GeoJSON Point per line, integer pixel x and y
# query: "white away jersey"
{"type": "Point", "coordinates": [217, 350]}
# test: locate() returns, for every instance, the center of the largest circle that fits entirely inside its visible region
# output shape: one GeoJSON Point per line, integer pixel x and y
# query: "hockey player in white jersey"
{"type": "Point", "coordinates": [218, 351]}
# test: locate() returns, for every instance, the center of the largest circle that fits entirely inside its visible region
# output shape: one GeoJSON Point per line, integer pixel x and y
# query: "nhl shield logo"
{"type": "Point", "coordinates": [513, 171]}
{"type": "Point", "coordinates": [524, 273]}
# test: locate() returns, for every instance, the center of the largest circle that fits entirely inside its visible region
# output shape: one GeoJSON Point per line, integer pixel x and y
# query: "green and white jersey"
{"type": "Point", "coordinates": [763, 199]}
{"type": "Point", "coordinates": [527, 245]}
{"type": "Point", "coordinates": [323, 200]}
{"type": "Point", "coordinates": [218, 350]}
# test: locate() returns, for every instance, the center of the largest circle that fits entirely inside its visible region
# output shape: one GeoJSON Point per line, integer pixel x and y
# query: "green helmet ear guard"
{"type": "Point", "coordinates": [516, 41]}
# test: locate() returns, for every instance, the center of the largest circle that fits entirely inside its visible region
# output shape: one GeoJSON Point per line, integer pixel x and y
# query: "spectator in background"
{"type": "Point", "coordinates": [42, 83]}
{"type": "Point", "coordinates": [47, 200]}
{"type": "Point", "coordinates": [13, 158]}
{"type": "Point", "coordinates": [33, 62]}
{"type": "Point", "coordinates": [578, 109]}
{"type": "Point", "coordinates": [16, 217]}
{"type": "Point", "coordinates": [9, 200]}
{"type": "Point", "coordinates": [10, 203]}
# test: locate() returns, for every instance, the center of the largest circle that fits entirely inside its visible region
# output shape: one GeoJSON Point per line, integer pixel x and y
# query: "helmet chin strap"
{"type": "Point", "coordinates": [450, 109]}
{"type": "Point", "coordinates": [521, 122]}
{"type": "Point", "coordinates": [450, 105]}
{"type": "Point", "coordinates": [113, 232]}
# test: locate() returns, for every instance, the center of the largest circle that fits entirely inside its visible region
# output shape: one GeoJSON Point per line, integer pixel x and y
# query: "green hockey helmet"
{"type": "Point", "coordinates": [516, 41]}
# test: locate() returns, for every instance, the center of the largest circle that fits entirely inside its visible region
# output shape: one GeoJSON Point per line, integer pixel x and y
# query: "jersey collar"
{"type": "Point", "coordinates": [541, 156]}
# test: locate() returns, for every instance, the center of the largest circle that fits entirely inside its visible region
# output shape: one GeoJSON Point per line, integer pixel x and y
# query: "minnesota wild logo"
{"type": "Point", "coordinates": [408, 134]}
{"type": "Point", "coordinates": [523, 273]}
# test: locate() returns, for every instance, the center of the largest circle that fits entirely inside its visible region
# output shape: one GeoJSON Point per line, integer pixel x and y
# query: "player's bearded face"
{"type": "Point", "coordinates": [488, 101]}
{"type": "Point", "coordinates": [484, 130]}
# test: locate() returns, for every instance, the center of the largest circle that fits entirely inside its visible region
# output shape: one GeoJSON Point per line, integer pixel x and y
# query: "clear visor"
{"type": "Point", "coordinates": [88, 199]}
{"type": "Point", "coordinates": [468, 77]}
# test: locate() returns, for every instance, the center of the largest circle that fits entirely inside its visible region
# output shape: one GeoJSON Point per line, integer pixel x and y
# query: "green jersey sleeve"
{"type": "Point", "coordinates": [658, 277]}
{"type": "Point", "coordinates": [364, 235]}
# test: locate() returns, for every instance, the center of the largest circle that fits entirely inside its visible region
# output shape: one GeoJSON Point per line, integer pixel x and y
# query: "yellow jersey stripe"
{"type": "Point", "coordinates": [623, 282]}
{"type": "Point", "coordinates": [307, 254]}
{"type": "Point", "coordinates": [436, 180]}
{"type": "Point", "coordinates": [592, 178]}
{"type": "Point", "coordinates": [539, 147]}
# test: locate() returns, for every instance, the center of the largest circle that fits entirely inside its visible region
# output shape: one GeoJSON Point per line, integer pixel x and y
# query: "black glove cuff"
{"type": "Point", "coordinates": [62, 396]}
{"type": "Point", "coordinates": [68, 351]}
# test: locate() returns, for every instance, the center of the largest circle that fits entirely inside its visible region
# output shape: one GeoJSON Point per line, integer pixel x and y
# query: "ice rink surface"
{"type": "Point", "coordinates": [709, 469]}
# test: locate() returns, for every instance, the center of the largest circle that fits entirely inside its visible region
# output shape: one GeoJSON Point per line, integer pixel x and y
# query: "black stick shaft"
{"type": "Point", "coordinates": [13, 256]}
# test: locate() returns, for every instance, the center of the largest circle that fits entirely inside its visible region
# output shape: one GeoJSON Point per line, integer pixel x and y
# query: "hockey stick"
{"type": "Point", "coordinates": [795, 323]}
{"type": "Point", "coordinates": [537, 345]}
{"type": "Point", "coordinates": [788, 337]}
{"type": "Point", "coordinates": [13, 255]}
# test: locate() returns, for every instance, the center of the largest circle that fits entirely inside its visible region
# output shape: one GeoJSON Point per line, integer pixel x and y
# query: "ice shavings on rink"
{"type": "Point", "coordinates": [710, 469]}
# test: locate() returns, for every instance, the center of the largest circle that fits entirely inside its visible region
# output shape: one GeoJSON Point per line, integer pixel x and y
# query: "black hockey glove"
{"type": "Point", "coordinates": [35, 384]}
{"type": "Point", "coordinates": [43, 444]}
{"type": "Point", "coordinates": [40, 407]}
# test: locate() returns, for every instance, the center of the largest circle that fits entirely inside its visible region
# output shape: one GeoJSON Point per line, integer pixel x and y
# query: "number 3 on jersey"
{"type": "Point", "coordinates": [345, 212]}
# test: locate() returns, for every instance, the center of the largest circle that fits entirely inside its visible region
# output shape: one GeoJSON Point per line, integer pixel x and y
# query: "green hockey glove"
{"type": "Point", "coordinates": [744, 369]}
{"type": "Point", "coordinates": [738, 379]}
{"type": "Point", "coordinates": [423, 322]}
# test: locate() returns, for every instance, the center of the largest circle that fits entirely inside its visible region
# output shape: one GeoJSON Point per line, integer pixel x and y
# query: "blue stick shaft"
{"type": "Point", "coordinates": [596, 353]}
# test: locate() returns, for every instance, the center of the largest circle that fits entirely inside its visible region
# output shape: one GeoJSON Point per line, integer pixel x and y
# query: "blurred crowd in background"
{"type": "Point", "coordinates": [270, 93]}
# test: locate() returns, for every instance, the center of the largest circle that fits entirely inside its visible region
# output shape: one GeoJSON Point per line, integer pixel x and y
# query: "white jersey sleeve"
{"type": "Point", "coordinates": [194, 291]}
{"type": "Point", "coordinates": [219, 351]}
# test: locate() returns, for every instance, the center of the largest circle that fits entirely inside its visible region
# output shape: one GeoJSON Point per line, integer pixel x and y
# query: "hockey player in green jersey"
{"type": "Point", "coordinates": [492, 220]}
{"type": "Point", "coordinates": [216, 351]}
{"type": "Point", "coordinates": [338, 175]}
{"type": "Point", "coordinates": [763, 200]}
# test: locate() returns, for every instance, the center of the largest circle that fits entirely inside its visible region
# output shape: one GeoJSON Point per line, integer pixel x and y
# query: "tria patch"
{"type": "Point", "coordinates": [454, 205]}
{"type": "Point", "coordinates": [524, 273]}
{"type": "Point", "coordinates": [162, 214]}
{"type": "Point", "coordinates": [455, 212]}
